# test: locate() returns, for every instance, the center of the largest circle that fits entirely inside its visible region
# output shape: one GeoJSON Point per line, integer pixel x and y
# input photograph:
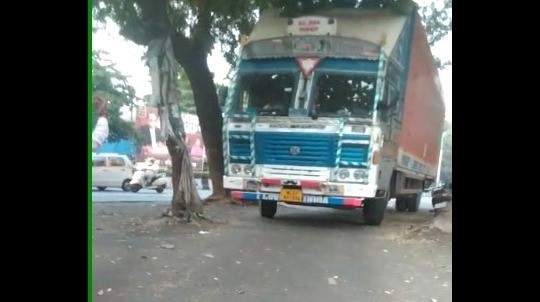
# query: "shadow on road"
{"type": "Point", "coordinates": [318, 217]}
{"type": "Point", "coordinates": [288, 215]}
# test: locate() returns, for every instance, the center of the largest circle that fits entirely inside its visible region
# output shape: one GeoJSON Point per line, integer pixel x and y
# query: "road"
{"type": "Point", "coordinates": [151, 196]}
{"type": "Point", "coordinates": [303, 254]}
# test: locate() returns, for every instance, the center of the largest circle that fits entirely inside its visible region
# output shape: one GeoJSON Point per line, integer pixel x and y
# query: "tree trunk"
{"type": "Point", "coordinates": [161, 62]}
{"type": "Point", "coordinates": [178, 205]}
{"type": "Point", "coordinates": [186, 200]}
{"type": "Point", "coordinates": [210, 119]}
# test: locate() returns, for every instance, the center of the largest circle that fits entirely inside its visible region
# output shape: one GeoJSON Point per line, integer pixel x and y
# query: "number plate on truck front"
{"type": "Point", "coordinates": [290, 195]}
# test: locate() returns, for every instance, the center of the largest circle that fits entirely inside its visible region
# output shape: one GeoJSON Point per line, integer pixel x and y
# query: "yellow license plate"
{"type": "Point", "coordinates": [290, 195]}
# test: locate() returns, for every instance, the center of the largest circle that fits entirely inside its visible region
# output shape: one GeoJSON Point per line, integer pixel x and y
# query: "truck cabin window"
{"type": "Point", "coordinates": [344, 95]}
{"type": "Point", "coordinates": [264, 94]}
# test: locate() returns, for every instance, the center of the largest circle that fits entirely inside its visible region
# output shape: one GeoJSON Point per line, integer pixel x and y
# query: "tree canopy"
{"type": "Point", "coordinates": [207, 22]}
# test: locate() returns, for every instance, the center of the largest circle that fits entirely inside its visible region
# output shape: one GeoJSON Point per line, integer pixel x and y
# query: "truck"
{"type": "Point", "coordinates": [338, 108]}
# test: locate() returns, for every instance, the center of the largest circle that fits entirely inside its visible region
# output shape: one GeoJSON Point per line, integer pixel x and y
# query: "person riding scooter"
{"type": "Point", "coordinates": [150, 171]}
{"type": "Point", "coordinates": [147, 176]}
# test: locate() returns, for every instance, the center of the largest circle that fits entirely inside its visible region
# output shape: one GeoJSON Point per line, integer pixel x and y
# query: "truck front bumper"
{"type": "Point", "coordinates": [313, 200]}
{"type": "Point", "coordinates": [314, 193]}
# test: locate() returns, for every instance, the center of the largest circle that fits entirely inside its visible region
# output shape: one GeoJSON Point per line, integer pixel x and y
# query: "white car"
{"type": "Point", "coordinates": [111, 170]}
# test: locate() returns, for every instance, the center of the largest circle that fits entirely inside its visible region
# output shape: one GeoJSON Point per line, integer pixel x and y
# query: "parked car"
{"type": "Point", "coordinates": [111, 170]}
{"type": "Point", "coordinates": [441, 196]}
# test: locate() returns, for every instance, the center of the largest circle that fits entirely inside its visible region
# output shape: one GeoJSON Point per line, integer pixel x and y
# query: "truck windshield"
{"type": "Point", "coordinates": [264, 93]}
{"type": "Point", "coordinates": [344, 95]}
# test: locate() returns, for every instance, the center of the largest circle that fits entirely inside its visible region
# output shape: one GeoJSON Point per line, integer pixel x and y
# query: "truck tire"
{"type": "Point", "coordinates": [204, 183]}
{"type": "Point", "coordinates": [268, 208]}
{"type": "Point", "coordinates": [402, 203]}
{"type": "Point", "coordinates": [413, 202]}
{"type": "Point", "coordinates": [374, 209]}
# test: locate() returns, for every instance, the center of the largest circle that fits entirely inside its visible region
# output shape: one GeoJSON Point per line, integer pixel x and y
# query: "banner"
{"type": "Point", "coordinates": [151, 142]}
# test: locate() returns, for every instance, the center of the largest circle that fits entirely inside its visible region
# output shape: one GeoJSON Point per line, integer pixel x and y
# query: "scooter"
{"type": "Point", "coordinates": [148, 179]}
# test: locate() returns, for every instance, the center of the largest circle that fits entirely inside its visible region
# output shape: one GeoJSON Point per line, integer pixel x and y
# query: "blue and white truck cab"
{"type": "Point", "coordinates": [311, 105]}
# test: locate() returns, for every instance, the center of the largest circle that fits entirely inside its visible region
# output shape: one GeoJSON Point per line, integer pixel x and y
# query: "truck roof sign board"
{"type": "Point", "coordinates": [312, 25]}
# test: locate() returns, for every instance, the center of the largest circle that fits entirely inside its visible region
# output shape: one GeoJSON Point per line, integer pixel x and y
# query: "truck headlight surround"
{"type": "Point", "coordinates": [344, 173]}
{"type": "Point", "coordinates": [235, 169]}
{"type": "Point", "coordinates": [359, 174]}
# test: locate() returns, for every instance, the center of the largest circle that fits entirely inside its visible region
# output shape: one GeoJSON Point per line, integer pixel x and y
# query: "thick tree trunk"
{"type": "Point", "coordinates": [157, 27]}
{"type": "Point", "coordinates": [186, 201]}
{"type": "Point", "coordinates": [210, 119]}
{"type": "Point", "coordinates": [161, 62]}
{"type": "Point", "coordinates": [178, 205]}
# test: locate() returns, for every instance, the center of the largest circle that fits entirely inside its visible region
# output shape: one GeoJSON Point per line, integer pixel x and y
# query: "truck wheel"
{"type": "Point", "coordinates": [413, 202]}
{"type": "Point", "coordinates": [268, 208]}
{"type": "Point", "coordinates": [374, 210]}
{"type": "Point", "coordinates": [101, 188]}
{"type": "Point", "coordinates": [401, 204]}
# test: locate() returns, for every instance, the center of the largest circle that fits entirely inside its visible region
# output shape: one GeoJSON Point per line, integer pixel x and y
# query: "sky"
{"type": "Point", "coordinates": [127, 57]}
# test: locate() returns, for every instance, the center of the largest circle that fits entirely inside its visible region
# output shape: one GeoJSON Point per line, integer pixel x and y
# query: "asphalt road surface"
{"type": "Point", "coordinates": [303, 254]}
{"type": "Point", "coordinates": [144, 195]}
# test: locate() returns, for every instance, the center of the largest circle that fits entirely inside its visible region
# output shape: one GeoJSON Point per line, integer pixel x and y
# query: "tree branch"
{"type": "Point", "coordinates": [182, 48]}
{"type": "Point", "coordinates": [154, 17]}
{"type": "Point", "coordinates": [202, 38]}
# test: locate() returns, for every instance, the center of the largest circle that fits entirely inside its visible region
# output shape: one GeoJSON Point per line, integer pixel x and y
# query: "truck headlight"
{"type": "Point", "coordinates": [235, 169]}
{"type": "Point", "coordinates": [248, 170]}
{"type": "Point", "coordinates": [343, 174]}
{"type": "Point", "coordinates": [359, 174]}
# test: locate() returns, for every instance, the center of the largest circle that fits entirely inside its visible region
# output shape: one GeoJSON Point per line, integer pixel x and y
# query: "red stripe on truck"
{"type": "Point", "coordinates": [271, 182]}
{"type": "Point", "coordinates": [355, 202]}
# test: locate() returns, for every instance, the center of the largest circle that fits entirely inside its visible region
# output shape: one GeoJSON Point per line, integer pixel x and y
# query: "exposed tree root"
{"type": "Point", "coordinates": [215, 197]}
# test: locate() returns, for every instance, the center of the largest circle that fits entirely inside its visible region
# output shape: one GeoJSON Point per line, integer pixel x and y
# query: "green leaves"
{"type": "Point", "coordinates": [437, 19]}
{"type": "Point", "coordinates": [110, 84]}
{"type": "Point", "coordinates": [204, 22]}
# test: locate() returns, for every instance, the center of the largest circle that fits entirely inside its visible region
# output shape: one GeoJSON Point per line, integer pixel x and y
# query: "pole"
{"type": "Point", "coordinates": [440, 157]}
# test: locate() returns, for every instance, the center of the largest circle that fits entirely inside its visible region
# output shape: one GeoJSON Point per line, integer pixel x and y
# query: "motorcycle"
{"type": "Point", "coordinates": [148, 178]}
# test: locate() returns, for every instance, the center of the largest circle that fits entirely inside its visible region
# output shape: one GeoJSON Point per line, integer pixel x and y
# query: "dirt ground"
{"type": "Point", "coordinates": [302, 254]}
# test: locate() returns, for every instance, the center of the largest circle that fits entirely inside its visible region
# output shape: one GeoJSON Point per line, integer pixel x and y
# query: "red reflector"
{"type": "Point", "coordinates": [271, 182]}
{"type": "Point", "coordinates": [310, 184]}
{"type": "Point", "coordinates": [352, 202]}
{"type": "Point", "coordinates": [236, 195]}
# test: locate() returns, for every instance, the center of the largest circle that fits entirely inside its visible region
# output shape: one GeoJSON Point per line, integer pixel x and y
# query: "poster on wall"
{"type": "Point", "coordinates": [151, 140]}
{"type": "Point", "coordinates": [151, 144]}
